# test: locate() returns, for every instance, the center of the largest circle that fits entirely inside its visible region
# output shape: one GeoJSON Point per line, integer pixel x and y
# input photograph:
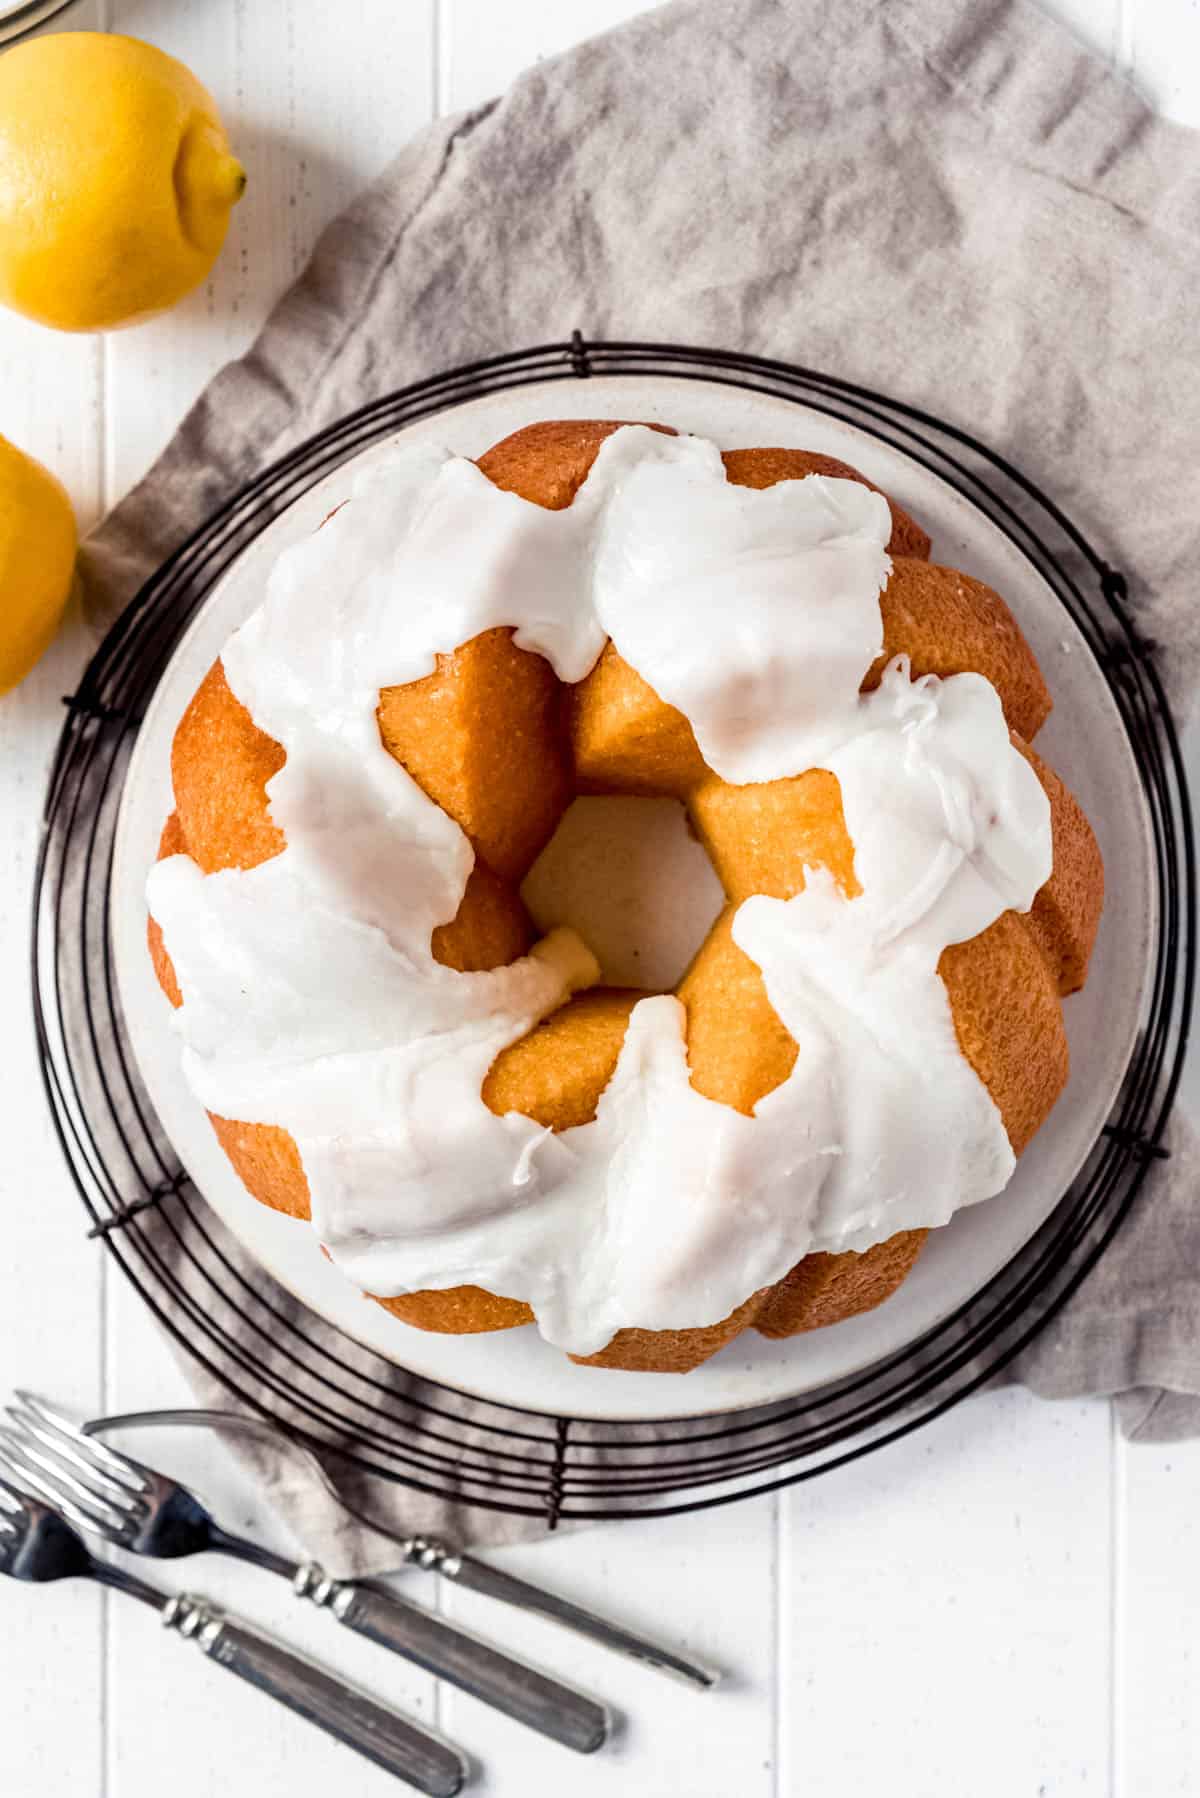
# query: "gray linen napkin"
{"type": "Point", "coordinates": [944, 199]}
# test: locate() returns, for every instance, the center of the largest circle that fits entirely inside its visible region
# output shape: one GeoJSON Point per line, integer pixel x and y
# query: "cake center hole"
{"type": "Point", "coordinates": [630, 877]}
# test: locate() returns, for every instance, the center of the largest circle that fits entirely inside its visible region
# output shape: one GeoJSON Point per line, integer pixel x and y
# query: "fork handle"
{"type": "Point", "coordinates": [468, 1662]}
{"type": "Point", "coordinates": [380, 1734]}
{"type": "Point", "coordinates": [493, 1582]}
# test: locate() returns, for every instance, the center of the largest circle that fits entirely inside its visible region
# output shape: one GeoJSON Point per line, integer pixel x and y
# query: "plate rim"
{"type": "Point", "coordinates": [878, 443]}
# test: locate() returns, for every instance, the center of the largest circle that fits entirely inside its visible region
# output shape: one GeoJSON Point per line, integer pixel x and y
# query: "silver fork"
{"type": "Point", "coordinates": [38, 1544]}
{"type": "Point", "coordinates": [133, 1507]}
{"type": "Point", "coordinates": [431, 1554]}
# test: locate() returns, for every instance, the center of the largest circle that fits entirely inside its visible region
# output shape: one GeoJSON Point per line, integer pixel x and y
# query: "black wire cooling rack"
{"type": "Point", "coordinates": [284, 1363]}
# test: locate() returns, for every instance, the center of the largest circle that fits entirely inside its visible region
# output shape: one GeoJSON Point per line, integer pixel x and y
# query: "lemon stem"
{"type": "Point", "coordinates": [230, 179]}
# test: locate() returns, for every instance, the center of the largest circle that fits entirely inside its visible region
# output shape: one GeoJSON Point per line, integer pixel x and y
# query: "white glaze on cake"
{"type": "Point", "coordinates": [312, 1000]}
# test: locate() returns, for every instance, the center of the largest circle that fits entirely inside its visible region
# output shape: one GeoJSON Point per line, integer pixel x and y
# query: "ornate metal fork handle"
{"type": "Point", "coordinates": [340, 1710]}
{"type": "Point", "coordinates": [455, 1654]}
{"type": "Point", "coordinates": [446, 1650]}
{"type": "Point", "coordinates": [481, 1576]}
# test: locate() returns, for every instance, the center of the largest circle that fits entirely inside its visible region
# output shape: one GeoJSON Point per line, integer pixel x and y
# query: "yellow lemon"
{"type": "Point", "coordinates": [116, 180]}
{"type": "Point", "coordinates": [37, 560]}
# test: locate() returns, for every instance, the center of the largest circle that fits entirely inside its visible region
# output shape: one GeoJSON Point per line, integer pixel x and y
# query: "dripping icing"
{"type": "Point", "coordinates": [757, 614]}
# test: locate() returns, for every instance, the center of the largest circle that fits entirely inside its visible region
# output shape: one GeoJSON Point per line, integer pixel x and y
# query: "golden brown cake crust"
{"type": "Point", "coordinates": [825, 1289]}
{"type": "Point", "coordinates": [227, 821]}
{"type": "Point", "coordinates": [1066, 913]}
{"type": "Point", "coordinates": [612, 732]}
{"type": "Point", "coordinates": [481, 728]}
{"type": "Point", "coordinates": [949, 623]}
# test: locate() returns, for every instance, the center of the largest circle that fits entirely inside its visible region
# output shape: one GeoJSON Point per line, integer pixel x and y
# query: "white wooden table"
{"type": "Point", "coordinates": [1007, 1605]}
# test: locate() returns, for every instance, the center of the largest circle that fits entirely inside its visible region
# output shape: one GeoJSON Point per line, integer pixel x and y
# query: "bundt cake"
{"type": "Point", "coordinates": [481, 1132]}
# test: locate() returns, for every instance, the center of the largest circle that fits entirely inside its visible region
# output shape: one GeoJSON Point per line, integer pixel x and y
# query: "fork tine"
{"type": "Point", "coordinates": [129, 1473]}
{"type": "Point", "coordinates": [60, 1488]}
{"type": "Point", "coordinates": [30, 1485]}
{"type": "Point", "coordinates": [62, 1507]}
{"type": "Point", "coordinates": [27, 1428]}
{"type": "Point", "coordinates": [10, 1498]}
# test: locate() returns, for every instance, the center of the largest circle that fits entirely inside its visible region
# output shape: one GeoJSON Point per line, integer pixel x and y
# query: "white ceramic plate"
{"type": "Point", "coordinates": [1084, 740]}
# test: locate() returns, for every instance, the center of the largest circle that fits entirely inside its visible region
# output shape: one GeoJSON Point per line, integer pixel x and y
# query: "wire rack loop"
{"type": "Point", "coordinates": [117, 1220]}
{"type": "Point", "coordinates": [277, 1360]}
